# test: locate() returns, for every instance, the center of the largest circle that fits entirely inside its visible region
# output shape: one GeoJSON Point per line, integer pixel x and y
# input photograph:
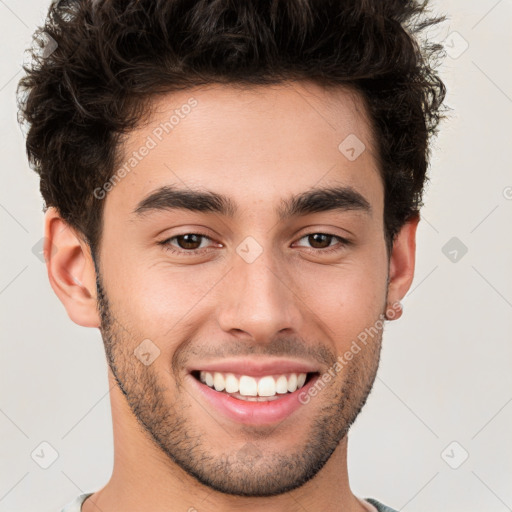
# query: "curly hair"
{"type": "Point", "coordinates": [105, 60]}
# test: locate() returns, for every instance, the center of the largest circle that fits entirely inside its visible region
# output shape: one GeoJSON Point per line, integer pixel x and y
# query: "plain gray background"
{"type": "Point", "coordinates": [444, 388]}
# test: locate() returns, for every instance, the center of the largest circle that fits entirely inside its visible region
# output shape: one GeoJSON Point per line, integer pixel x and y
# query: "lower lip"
{"type": "Point", "coordinates": [254, 413]}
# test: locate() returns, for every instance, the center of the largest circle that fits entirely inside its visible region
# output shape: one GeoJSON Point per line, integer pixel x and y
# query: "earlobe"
{"type": "Point", "coordinates": [70, 270]}
{"type": "Point", "coordinates": [401, 266]}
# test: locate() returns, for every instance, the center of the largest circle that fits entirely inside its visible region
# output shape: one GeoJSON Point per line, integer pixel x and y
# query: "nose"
{"type": "Point", "coordinates": [258, 300]}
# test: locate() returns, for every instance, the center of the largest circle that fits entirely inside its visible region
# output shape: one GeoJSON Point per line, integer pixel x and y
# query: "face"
{"type": "Point", "coordinates": [224, 259]}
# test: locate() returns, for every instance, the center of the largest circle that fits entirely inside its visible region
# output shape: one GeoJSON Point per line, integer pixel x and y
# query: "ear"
{"type": "Point", "coordinates": [401, 266]}
{"type": "Point", "coordinates": [70, 270]}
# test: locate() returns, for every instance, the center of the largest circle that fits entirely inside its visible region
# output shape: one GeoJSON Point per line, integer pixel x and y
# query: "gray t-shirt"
{"type": "Point", "coordinates": [76, 504]}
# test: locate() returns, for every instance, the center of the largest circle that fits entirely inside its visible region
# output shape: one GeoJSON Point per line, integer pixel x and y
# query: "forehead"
{"type": "Point", "coordinates": [256, 145]}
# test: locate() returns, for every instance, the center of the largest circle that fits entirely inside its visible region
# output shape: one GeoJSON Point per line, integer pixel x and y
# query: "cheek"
{"type": "Point", "coordinates": [347, 297]}
{"type": "Point", "coordinates": [158, 299]}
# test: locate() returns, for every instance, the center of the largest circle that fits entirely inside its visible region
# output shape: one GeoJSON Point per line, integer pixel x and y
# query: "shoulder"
{"type": "Point", "coordinates": [76, 504]}
{"type": "Point", "coordinates": [380, 506]}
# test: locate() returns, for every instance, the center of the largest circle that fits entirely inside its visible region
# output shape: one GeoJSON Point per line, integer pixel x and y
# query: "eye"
{"type": "Point", "coordinates": [187, 243]}
{"type": "Point", "coordinates": [191, 244]}
{"type": "Point", "coordinates": [321, 242]}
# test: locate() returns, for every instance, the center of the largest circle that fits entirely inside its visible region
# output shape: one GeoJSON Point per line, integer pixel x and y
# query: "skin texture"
{"type": "Point", "coordinates": [172, 450]}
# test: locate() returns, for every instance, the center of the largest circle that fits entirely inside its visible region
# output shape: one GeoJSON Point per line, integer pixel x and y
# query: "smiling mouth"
{"type": "Point", "coordinates": [254, 389]}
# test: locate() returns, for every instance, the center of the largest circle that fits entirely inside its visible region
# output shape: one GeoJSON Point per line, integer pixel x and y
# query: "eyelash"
{"type": "Point", "coordinates": [195, 252]}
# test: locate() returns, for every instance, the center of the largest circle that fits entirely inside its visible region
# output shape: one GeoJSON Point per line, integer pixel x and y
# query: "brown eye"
{"type": "Point", "coordinates": [188, 244]}
{"type": "Point", "coordinates": [189, 241]}
{"type": "Point", "coordinates": [321, 243]}
{"type": "Point", "coordinates": [320, 240]}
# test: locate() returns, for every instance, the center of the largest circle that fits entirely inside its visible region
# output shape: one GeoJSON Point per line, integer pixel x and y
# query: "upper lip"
{"type": "Point", "coordinates": [256, 367]}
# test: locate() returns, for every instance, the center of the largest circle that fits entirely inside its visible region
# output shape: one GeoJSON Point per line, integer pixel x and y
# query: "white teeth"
{"type": "Point", "coordinates": [301, 378]}
{"type": "Point", "coordinates": [292, 382]}
{"type": "Point", "coordinates": [282, 384]}
{"type": "Point", "coordinates": [247, 386]}
{"type": "Point", "coordinates": [267, 386]}
{"type": "Point", "coordinates": [218, 381]}
{"type": "Point", "coordinates": [231, 383]}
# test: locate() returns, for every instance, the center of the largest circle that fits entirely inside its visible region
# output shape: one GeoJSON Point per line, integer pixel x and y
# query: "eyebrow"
{"type": "Point", "coordinates": [311, 201]}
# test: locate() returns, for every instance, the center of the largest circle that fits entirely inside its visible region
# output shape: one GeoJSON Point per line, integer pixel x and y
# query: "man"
{"type": "Point", "coordinates": [232, 192]}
